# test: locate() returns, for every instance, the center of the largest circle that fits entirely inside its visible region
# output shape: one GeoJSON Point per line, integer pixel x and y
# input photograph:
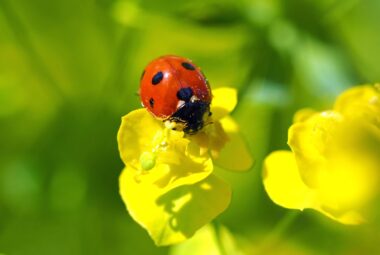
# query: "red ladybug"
{"type": "Point", "coordinates": [173, 88]}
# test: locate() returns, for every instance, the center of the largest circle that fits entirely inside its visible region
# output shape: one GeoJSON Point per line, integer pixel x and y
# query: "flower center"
{"type": "Point", "coordinates": [148, 159]}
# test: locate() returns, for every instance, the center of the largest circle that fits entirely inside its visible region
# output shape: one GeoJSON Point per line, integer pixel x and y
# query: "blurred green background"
{"type": "Point", "coordinates": [70, 69]}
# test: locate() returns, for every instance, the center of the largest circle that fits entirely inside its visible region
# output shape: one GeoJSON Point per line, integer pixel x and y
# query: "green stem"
{"type": "Point", "coordinates": [217, 228]}
{"type": "Point", "coordinates": [278, 231]}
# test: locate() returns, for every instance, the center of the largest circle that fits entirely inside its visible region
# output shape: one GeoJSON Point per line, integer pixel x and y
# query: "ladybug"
{"type": "Point", "coordinates": [173, 88]}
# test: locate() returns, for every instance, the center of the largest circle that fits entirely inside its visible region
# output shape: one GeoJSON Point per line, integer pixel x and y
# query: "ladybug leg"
{"type": "Point", "coordinates": [179, 123]}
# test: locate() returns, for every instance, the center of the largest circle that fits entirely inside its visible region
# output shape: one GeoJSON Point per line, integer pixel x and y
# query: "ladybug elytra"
{"type": "Point", "coordinates": [173, 88]}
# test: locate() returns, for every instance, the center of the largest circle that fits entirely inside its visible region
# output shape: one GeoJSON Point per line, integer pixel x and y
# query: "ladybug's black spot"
{"type": "Point", "coordinates": [185, 94]}
{"type": "Point", "coordinates": [157, 78]}
{"type": "Point", "coordinates": [142, 75]}
{"type": "Point", "coordinates": [188, 66]}
{"type": "Point", "coordinates": [151, 102]}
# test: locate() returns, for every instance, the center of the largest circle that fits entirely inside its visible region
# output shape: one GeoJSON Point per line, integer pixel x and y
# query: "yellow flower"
{"type": "Point", "coordinates": [334, 162]}
{"type": "Point", "coordinates": [167, 184]}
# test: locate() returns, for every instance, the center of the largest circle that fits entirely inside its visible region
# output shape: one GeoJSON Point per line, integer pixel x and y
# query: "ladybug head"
{"type": "Point", "coordinates": [192, 114]}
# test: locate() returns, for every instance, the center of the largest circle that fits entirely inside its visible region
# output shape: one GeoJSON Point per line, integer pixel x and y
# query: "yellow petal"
{"type": "Point", "coordinates": [283, 183]}
{"type": "Point", "coordinates": [349, 184]}
{"type": "Point", "coordinates": [312, 140]}
{"type": "Point", "coordinates": [223, 102]}
{"type": "Point", "coordinates": [182, 167]}
{"type": "Point", "coordinates": [145, 144]}
{"type": "Point", "coordinates": [336, 156]}
{"type": "Point", "coordinates": [138, 133]}
{"type": "Point", "coordinates": [303, 114]}
{"type": "Point", "coordinates": [285, 187]}
{"type": "Point", "coordinates": [174, 216]}
{"type": "Point", "coordinates": [361, 103]}
{"type": "Point", "coordinates": [234, 155]}
{"type": "Point", "coordinates": [211, 139]}
{"type": "Point", "coordinates": [347, 217]}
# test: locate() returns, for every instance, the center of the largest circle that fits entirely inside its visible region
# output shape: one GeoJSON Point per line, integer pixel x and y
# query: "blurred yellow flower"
{"type": "Point", "coordinates": [334, 162]}
{"type": "Point", "coordinates": [167, 184]}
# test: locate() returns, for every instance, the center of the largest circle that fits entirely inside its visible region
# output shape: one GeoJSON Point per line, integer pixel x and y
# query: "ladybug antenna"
{"type": "Point", "coordinates": [208, 123]}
